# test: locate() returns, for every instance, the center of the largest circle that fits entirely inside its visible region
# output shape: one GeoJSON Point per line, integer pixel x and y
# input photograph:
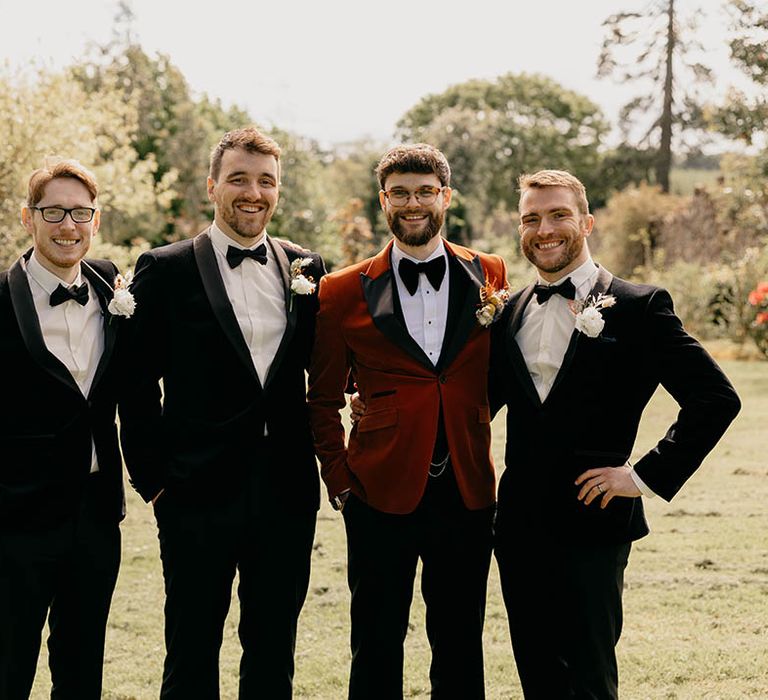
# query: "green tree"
{"type": "Point", "coordinates": [652, 46]}
{"type": "Point", "coordinates": [742, 117]}
{"type": "Point", "coordinates": [168, 115]}
{"type": "Point", "coordinates": [493, 130]}
{"type": "Point", "coordinates": [44, 113]}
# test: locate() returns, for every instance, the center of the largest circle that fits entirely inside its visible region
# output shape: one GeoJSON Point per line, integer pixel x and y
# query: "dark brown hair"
{"type": "Point", "coordinates": [414, 158]}
{"type": "Point", "coordinates": [249, 139]}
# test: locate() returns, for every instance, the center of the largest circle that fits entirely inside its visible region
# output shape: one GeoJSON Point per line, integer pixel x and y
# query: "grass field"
{"type": "Point", "coordinates": [696, 599]}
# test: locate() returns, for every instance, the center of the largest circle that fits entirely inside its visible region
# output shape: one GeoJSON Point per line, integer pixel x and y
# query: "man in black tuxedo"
{"type": "Point", "coordinates": [61, 489]}
{"type": "Point", "coordinates": [226, 321]}
{"type": "Point", "coordinates": [576, 370]}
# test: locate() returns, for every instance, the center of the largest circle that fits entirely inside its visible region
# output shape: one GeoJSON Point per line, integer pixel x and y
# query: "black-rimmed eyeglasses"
{"type": "Point", "coordinates": [55, 215]}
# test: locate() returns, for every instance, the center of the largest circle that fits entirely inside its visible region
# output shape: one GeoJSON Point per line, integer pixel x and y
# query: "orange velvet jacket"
{"type": "Point", "coordinates": [389, 451]}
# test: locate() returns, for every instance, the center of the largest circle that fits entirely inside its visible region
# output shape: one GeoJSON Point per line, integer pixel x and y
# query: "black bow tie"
{"type": "Point", "coordinates": [409, 273]}
{"type": "Point", "coordinates": [236, 255]}
{"type": "Point", "coordinates": [543, 291]}
{"type": "Point", "coordinates": [62, 294]}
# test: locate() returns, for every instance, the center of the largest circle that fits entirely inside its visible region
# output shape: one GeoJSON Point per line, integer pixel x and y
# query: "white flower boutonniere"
{"type": "Point", "coordinates": [122, 303]}
{"type": "Point", "coordinates": [300, 283]}
{"type": "Point", "coordinates": [589, 317]}
{"type": "Point", "coordinates": [492, 302]}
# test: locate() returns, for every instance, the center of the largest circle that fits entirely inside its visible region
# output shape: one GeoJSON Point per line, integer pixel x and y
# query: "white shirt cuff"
{"type": "Point", "coordinates": [640, 483]}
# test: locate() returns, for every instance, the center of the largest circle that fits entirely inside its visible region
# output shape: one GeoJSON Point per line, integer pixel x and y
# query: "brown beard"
{"type": "Point", "coordinates": [430, 230]}
{"type": "Point", "coordinates": [230, 217]}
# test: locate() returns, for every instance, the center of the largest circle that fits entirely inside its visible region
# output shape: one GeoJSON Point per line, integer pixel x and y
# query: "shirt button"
{"type": "Point", "coordinates": [443, 379]}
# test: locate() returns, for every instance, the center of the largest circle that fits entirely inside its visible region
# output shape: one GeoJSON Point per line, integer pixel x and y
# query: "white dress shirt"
{"type": "Point", "coordinates": [426, 311]}
{"type": "Point", "coordinates": [545, 333]}
{"type": "Point", "coordinates": [257, 295]}
{"type": "Point", "coordinates": [546, 329]}
{"type": "Point", "coordinates": [73, 333]}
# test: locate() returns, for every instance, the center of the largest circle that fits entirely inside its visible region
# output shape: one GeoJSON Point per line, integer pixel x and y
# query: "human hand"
{"type": "Point", "coordinates": [607, 482]}
{"type": "Point", "coordinates": [357, 407]}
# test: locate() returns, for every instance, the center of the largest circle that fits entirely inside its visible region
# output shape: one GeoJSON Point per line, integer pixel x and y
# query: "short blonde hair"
{"type": "Point", "coordinates": [555, 178]}
{"type": "Point", "coordinates": [55, 167]}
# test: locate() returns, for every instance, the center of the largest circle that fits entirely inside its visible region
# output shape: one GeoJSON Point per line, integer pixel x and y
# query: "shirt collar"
{"type": "Point", "coordinates": [398, 254]}
{"type": "Point", "coordinates": [45, 278]}
{"type": "Point", "coordinates": [221, 241]}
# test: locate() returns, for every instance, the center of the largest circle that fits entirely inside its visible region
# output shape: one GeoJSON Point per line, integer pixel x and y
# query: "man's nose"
{"type": "Point", "coordinates": [254, 190]}
{"type": "Point", "coordinates": [546, 226]}
{"type": "Point", "coordinates": [67, 223]}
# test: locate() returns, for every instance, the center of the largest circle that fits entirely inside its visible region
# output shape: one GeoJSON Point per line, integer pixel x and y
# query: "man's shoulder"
{"type": "Point", "coordinates": [178, 252]}
{"type": "Point", "coordinates": [103, 266]}
{"type": "Point", "coordinates": [294, 251]}
{"type": "Point", "coordinates": [349, 272]}
{"type": "Point", "coordinates": [493, 265]}
{"type": "Point", "coordinates": [626, 289]}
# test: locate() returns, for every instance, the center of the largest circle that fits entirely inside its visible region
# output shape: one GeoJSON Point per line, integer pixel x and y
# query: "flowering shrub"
{"type": "Point", "coordinates": [758, 300]}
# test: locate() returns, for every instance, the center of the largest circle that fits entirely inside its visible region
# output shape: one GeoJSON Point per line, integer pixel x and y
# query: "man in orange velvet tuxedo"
{"type": "Point", "coordinates": [416, 480]}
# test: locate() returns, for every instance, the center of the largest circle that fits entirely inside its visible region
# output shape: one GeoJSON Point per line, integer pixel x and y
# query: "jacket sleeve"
{"type": "Point", "coordinates": [328, 375]}
{"type": "Point", "coordinates": [708, 402]}
{"type": "Point", "coordinates": [139, 402]}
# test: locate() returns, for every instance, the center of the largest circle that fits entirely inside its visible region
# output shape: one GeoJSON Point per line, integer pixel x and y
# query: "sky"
{"type": "Point", "coordinates": [342, 70]}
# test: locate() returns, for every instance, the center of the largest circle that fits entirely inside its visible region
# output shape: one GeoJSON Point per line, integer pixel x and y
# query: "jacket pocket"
{"type": "Point", "coordinates": [376, 420]}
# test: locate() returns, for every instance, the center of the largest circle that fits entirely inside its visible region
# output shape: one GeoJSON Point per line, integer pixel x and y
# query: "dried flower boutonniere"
{"type": "Point", "coordinates": [300, 283]}
{"type": "Point", "coordinates": [589, 317]}
{"type": "Point", "coordinates": [122, 303]}
{"type": "Point", "coordinates": [492, 302]}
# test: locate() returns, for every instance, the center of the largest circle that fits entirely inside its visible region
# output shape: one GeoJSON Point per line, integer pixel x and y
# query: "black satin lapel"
{"type": "Point", "coordinates": [104, 292]}
{"type": "Point", "coordinates": [467, 277]}
{"type": "Point", "coordinates": [29, 325]}
{"type": "Point", "coordinates": [379, 295]}
{"type": "Point", "coordinates": [513, 349]}
{"type": "Point", "coordinates": [567, 360]}
{"type": "Point", "coordinates": [217, 296]}
{"type": "Point", "coordinates": [290, 309]}
{"type": "Point", "coordinates": [604, 279]}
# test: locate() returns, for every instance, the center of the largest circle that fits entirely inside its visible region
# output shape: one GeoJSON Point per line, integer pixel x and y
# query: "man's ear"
{"type": "Point", "coordinates": [210, 184]}
{"type": "Point", "coordinates": [26, 219]}
{"type": "Point", "coordinates": [447, 194]}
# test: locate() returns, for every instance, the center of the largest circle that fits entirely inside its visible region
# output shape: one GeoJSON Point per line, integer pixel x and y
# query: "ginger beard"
{"type": "Point", "coordinates": [566, 247]}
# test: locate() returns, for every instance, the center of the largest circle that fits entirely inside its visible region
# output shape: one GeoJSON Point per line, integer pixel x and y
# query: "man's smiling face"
{"type": "Point", "coordinates": [245, 194]}
{"type": "Point", "coordinates": [61, 246]}
{"type": "Point", "coordinates": [553, 231]}
{"type": "Point", "coordinates": [415, 224]}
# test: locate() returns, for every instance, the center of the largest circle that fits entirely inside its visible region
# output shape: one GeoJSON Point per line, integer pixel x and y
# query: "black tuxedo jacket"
{"type": "Point", "coordinates": [46, 424]}
{"type": "Point", "coordinates": [197, 441]}
{"type": "Point", "coordinates": [591, 415]}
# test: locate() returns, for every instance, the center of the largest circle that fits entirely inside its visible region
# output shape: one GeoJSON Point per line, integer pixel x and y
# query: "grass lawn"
{"type": "Point", "coordinates": [696, 599]}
